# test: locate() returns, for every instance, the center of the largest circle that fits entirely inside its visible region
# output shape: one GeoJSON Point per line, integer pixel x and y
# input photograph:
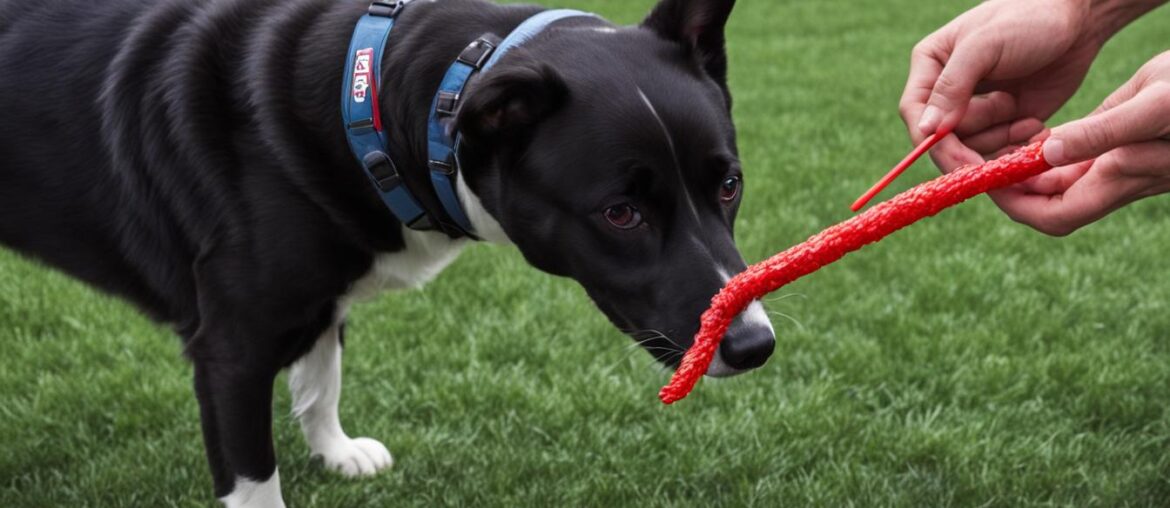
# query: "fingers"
{"type": "Point", "coordinates": [1009, 134]}
{"type": "Point", "coordinates": [1055, 181]}
{"type": "Point", "coordinates": [1068, 198]}
{"type": "Point", "coordinates": [1085, 201]}
{"type": "Point", "coordinates": [1149, 159]}
{"type": "Point", "coordinates": [987, 110]}
{"type": "Point", "coordinates": [925, 67]}
{"type": "Point", "coordinates": [1142, 118]}
{"type": "Point", "coordinates": [955, 85]}
{"type": "Point", "coordinates": [1120, 96]}
{"type": "Point", "coordinates": [951, 154]}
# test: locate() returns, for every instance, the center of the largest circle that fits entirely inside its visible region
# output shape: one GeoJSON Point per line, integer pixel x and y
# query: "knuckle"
{"type": "Point", "coordinates": [1016, 215]}
{"type": "Point", "coordinates": [1005, 105]}
{"type": "Point", "coordinates": [924, 47]}
{"type": "Point", "coordinates": [1055, 226]}
{"type": "Point", "coordinates": [995, 104]}
{"type": "Point", "coordinates": [1161, 96]}
{"type": "Point", "coordinates": [1053, 230]}
{"type": "Point", "coordinates": [946, 84]}
{"type": "Point", "coordinates": [1013, 215]}
{"type": "Point", "coordinates": [906, 108]}
{"type": "Point", "coordinates": [1111, 162]}
{"type": "Point", "coordinates": [1100, 134]}
{"type": "Point", "coordinates": [1157, 63]}
{"type": "Point", "coordinates": [1051, 225]}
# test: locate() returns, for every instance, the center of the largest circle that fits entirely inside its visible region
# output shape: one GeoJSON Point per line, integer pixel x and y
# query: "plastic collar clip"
{"type": "Point", "coordinates": [387, 9]}
{"type": "Point", "coordinates": [363, 121]}
{"type": "Point", "coordinates": [442, 144]}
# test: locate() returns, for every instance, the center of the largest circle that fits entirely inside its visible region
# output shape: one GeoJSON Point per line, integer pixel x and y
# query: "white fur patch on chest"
{"type": "Point", "coordinates": [426, 255]}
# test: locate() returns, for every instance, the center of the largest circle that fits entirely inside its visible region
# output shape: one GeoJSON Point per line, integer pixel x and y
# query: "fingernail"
{"type": "Point", "coordinates": [1054, 152]}
{"type": "Point", "coordinates": [930, 120]}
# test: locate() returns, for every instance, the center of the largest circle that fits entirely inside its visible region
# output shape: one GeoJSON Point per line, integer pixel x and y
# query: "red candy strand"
{"type": "Point", "coordinates": [918, 203]}
{"type": "Point", "coordinates": [877, 188]}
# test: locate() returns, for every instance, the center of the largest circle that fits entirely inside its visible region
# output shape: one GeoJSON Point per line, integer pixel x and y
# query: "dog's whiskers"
{"type": "Point", "coordinates": [642, 342]}
{"type": "Point", "coordinates": [665, 362]}
{"type": "Point", "coordinates": [643, 336]}
{"type": "Point", "coordinates": [662, 354]}
{"type": "Point", "coordinates": [794, 321]}
{"type": "Point", "coordinates": [780, 298]}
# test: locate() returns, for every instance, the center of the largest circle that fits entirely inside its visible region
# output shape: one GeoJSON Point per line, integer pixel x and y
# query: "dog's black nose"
{"type": "Point", "coordinates": [747, 345]}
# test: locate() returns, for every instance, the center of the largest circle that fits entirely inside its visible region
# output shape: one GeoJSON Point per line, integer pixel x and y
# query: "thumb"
{"type": "Point", "coordinates": [1142, 118]}
{"type": "Point", "coordinates": [954, 87]}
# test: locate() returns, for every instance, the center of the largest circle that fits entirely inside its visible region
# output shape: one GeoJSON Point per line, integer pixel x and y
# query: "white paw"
{"type": "Point", "coordinates": [255, 494]}
{"type": "Point", "coordinates": [356, 457]}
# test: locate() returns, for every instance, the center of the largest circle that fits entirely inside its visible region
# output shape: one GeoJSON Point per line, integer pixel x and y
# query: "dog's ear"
{"type": "Point", "coordinates": [697, 24]}
{"type": "Point", "coordinates": [511, 99]}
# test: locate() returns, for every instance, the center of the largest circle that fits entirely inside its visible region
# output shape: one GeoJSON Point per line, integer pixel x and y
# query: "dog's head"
{"type": "Point", "coordinates": [608, 155]}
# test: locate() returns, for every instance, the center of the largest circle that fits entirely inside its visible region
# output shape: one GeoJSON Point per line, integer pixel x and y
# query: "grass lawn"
{"type": "Point", "coordinates": [967, 361]}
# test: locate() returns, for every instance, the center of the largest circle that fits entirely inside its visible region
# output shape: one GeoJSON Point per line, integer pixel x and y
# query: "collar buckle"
{"type": "Point", "coordinates": [478, 52]}
{"type": "Point", "coordinates": [442, 167]}
{"type": "Point", "coordinates": [447, 103]}
{"type": "Point", "coordinates": [381, 167]}
{"type": "Point", "coordinates": [386, 8]}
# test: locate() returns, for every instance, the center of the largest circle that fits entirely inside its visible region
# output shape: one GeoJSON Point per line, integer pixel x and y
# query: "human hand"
{"type": "Point", "coordinates": [1115, 156]}
{"type": "Point", "coordinates": [996, 73]}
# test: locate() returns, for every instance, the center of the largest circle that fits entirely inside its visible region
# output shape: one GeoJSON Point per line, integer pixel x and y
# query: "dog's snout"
{"type": "Point", "coordinates": [750, 340]}
{"type": "Point", "coordinates": [748, 350]}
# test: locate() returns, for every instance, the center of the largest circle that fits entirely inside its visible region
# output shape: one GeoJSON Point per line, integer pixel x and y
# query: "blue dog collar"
{"type": "Point", "coordinates": [442, 144]}
{"type": "Point", "coordinates": [363, 122]}
{"type": "Point", "coordinates": [479, 56]}
{"type": "Point", "coordinates": [530, 28]}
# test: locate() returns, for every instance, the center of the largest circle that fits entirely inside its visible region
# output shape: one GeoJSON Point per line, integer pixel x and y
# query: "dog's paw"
{"type": "Point", "coordinates": [356, 457]}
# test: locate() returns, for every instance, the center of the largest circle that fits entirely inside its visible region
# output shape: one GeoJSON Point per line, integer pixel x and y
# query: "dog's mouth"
{"type": "Point", "coordinates": [720, 369]}
{"type": "Point", "coordinates": [748, 345]}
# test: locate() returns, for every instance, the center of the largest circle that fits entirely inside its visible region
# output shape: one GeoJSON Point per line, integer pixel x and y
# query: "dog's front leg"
{"type": "Point", "coordinates": [235, 405]}
{"type": "Point", "coordinates": [315, 383]}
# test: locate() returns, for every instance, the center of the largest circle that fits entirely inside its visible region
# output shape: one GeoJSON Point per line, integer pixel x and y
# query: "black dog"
{"type": "Point", "coordinates": [190, 156]}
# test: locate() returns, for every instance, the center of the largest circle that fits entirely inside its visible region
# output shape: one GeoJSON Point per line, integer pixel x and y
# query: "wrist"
{"type": "Point", "coordinates": [1107, 17]}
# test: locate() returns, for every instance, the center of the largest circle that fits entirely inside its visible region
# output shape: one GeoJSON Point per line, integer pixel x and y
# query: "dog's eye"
{"type": "Point", "coordinates": [730, 189]}
{"type": "Point", "coordinates": [623, 216]}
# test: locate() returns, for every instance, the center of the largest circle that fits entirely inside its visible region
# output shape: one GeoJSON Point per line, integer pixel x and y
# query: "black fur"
{"type": "Point", "coordinates": [188, 156]}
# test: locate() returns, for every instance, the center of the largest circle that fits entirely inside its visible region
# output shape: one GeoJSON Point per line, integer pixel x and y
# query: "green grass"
{"type": "Point", "coordinates": [966, 361]}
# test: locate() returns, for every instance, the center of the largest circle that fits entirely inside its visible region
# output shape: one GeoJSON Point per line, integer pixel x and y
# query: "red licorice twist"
{"type": "Point", "coordinates": [832, 244]}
